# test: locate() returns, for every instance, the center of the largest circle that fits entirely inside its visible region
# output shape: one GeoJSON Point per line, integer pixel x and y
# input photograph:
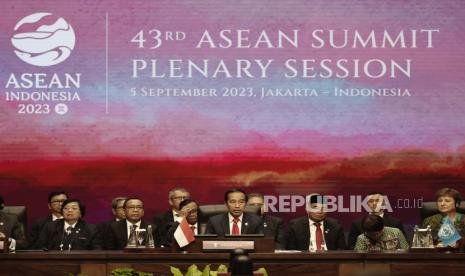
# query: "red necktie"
{"type": "Point", "coordinates": [318, 236]}
{"type": "Point", "coordinates": [235, 228]}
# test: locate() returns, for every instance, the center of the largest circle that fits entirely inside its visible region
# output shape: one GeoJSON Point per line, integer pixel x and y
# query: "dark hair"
{"type": "Point", "coordinates": [82, 207]}
{"type": "Point", "coordinates": [55, 193]}
{"type": "Point", "coordinates": [316, 198]}
{"type": "Point", "coordinates": [234, 190]}
{"type": "Point", "coordinates": [132, 198]}
{"type": "Point", "coordinates": [449, 192]}
{"type": "Point", "coordinates": [187, 201]}
{"type": "Point", "coordinates": [2, 203]}
{"type": "Point", "coordinates": [372, 223]}
{"type": "Point", "coordinates": [255, 195]}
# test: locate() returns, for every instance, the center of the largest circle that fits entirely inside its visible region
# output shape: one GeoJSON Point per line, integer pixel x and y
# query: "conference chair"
{"type": "Point", "coordinates": [19, 211]}
{"type": "Point", "coordinates": [430, 208]}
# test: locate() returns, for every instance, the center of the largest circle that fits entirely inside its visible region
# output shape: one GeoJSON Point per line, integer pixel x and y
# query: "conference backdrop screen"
{"type": "Point", "coordinates": [286, 98]}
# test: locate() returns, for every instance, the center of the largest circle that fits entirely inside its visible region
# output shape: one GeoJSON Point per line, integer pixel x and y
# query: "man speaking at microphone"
{"type": "Point", "coordinates": [235, 221]}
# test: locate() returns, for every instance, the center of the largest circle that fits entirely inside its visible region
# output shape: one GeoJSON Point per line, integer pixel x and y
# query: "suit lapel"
{"type": "Point", "coordinates": [60, 227]}
{"type": "Point", "coordinates": [329, 234]}
{"type": "Point", "coordinates": [270, 223]}
{"type": "Point", "coordinates": [60, 236]}
{"type": "Point", "coordinates": [226, 224]}
{"type": "Point", "coordinates": [79, 228]}
{"type": "Point", "coordinates": [244, 224]}
{"type": "Point", "coordinates": [124, 230]}
{"type": "Point", "coordinates": [306, 233]}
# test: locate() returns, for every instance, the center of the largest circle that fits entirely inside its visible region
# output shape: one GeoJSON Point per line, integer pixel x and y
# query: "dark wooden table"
{"type": "Point", "coordinates": [333, 263]}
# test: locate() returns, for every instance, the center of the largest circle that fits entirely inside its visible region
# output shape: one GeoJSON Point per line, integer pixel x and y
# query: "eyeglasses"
{"type": "Point", "coordinates": [135, 207]}
{"type": "Point", "coordinates": [57, 201]}
{"type": "Point", "coordinates": [179, 197]}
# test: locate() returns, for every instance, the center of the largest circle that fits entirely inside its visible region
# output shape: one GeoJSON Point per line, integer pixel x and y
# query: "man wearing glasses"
{"type": "Point", "coordinates": [118, 232]}
{"type": "Point", "coordinates": [165, 220]}
{"type": "Point", "coordinates": [55, 200]}
{"type": "Point", "coordinates": [118, 214]}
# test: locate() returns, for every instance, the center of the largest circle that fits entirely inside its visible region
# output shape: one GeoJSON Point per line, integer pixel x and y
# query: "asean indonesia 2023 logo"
{"type": "Point", "coordinates": [42, 39]}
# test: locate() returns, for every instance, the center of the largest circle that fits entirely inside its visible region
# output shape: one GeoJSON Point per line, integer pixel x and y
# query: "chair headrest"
{"type": "Point", "coordinates": [19, 211]}
{"type": "Point", "coordinates": [430, 208]}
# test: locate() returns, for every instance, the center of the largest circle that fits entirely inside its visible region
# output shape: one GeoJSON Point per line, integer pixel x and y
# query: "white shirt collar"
{"type": "Point", "coordinates": [55, 217]}
{"type": "Point", "coordinates": [231, 218]}
{"type": "Point", "coordinates": [129, 224]}
{"type": "Point", "coordinates": [68, 225]}
{"type": "Point", "coordinates": [312, 221]}
{"type": "Point", "coordinates": [196, 229]}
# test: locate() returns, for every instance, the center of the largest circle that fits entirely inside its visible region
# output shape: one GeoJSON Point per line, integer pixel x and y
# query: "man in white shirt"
{"type": "Point", "coordinates": [118, 214]}
{"type": "Point", "coordinates": [189, 211]}
{"type": "Point", "coordinates": [166, 219]}
{"type": "Point", "coordinates": [119, 231]}
{"type": "Point", "coordinates": [55, 200]}
{"type": "Point", "coordinates": [235, 221]}
{"type": "Point", "coordinates": [315, 231]}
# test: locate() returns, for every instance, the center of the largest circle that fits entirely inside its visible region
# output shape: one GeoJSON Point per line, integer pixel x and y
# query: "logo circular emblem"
{"type": "Point", "coordinates": [61, 108]}
{"type": "Point", "coordinates": [42, 39]}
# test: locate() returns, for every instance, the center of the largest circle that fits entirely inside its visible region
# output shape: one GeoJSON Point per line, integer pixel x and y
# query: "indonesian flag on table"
{"type": "Point", "coordinates": [183, 234]}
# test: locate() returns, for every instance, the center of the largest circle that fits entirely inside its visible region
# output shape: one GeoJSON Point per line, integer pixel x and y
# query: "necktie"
{"type": "Point", "coordinates": [69, 229]}
{"type": "Point", "coordinates": [132, 232]}
{"type": "Point", "coordinates": [193, 229]}
{"type": "Point", "coordinates": [318, 235]}
{"type": "Point", "coordinates": [132, 238]}
{"type": "Point", "coordinates": [235, 228]}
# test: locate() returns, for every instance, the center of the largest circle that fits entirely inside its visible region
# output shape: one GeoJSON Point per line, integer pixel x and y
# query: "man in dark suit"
{"type": "Point", "coordinates": [116, 237]}
{"type": "Point", "coordinates": [272, 226]}
{"type": "Point", "coordinates": [166, 219]}
{"type": "Point", "coordinates": [71, 232]}
{"type": "Point", "coordinates": [376, 205]}
{"type": "Point", "coordinates": [55, 199]}
{"type": "Point", "coordinates": [236, 221]}
{"type": "Point", "coordinates": [315, 232]}
{"type": "Point", "coordinates": [12, 228]}
{"type": "Point", "coordinates": [118, 214]}
{"type": "Point", "coordinates": [189, 211]}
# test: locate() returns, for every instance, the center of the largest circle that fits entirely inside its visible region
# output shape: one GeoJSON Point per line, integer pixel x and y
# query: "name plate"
{"type": "Point", "coordinates": [227, 245]}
